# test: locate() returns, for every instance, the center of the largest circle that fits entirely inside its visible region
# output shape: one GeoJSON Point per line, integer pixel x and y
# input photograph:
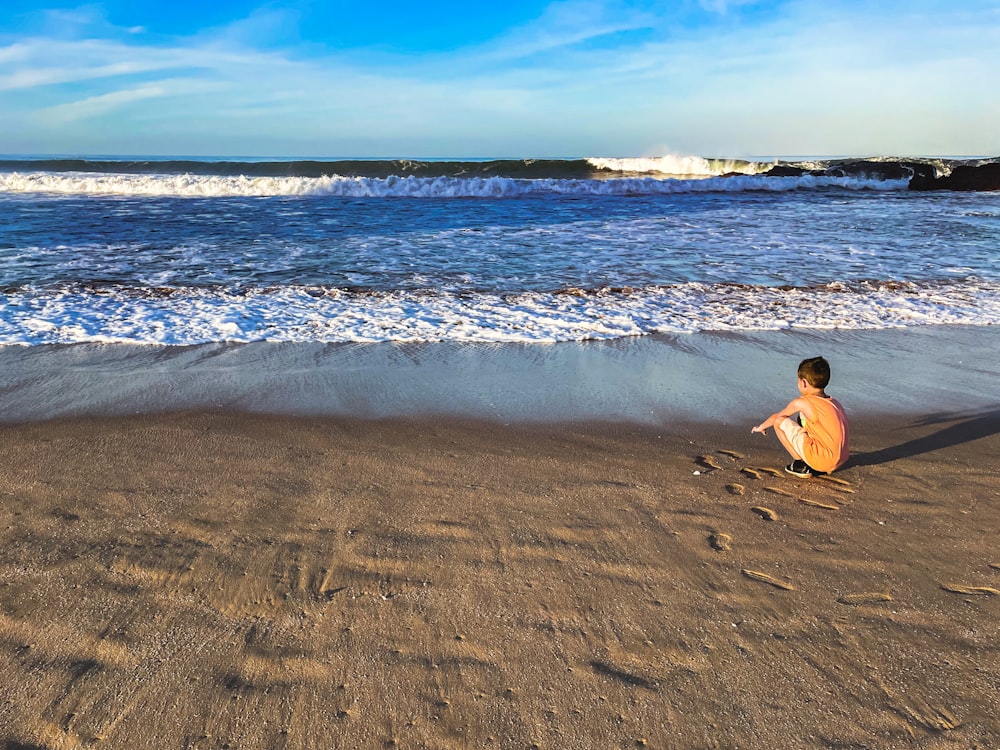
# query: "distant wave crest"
{"type": "Point", "coordinates": [192, 185]}
{"type": "Point", "coordinates": [456, 178]}
{"type": "Point", "coordinates": [680, 165]}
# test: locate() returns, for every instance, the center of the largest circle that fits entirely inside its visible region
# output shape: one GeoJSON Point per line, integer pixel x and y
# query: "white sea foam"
{"type": "Point", "coordinates": [201, 186]}
{"type": "Point", "coordinates": [679, 165]}
{"type": "Point", "coordinates": [296, 314]}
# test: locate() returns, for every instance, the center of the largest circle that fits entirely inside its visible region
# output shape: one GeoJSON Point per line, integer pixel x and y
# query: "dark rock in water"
{"type": "Point", "coordinates": [862, 168]}
{"type": "Point", "coordinates": [783, 170]}
{"type": "Point", "coordinates": [881, 170]}
{"type": "Point", "coordinates": [924, 171]}
{"type": "Point", "coordinates": [983, 177]}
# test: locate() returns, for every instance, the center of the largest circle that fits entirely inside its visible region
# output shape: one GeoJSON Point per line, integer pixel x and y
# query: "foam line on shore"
{"type": "Point", "coordinates": [319, 314]}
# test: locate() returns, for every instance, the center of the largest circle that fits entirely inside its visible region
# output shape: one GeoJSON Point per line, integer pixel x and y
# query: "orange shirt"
{"type": "Point", "coordinates": [826, 440]}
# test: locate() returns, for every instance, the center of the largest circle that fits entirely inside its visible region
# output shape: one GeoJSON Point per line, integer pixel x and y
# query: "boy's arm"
{"type": "Point", "coordinates": [793, 408]}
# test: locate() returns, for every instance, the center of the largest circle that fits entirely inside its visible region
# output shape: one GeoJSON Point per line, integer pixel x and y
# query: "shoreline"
{"type": "Point", "coordinates": [645, 380]}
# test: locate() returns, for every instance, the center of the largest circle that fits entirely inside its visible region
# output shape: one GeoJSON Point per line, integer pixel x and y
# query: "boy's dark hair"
{"type": "Point", "coordinates": [815, 371]}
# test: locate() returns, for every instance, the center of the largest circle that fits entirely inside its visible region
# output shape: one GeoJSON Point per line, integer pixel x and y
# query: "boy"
{"type": "Point", "coordinates": [819, 444]}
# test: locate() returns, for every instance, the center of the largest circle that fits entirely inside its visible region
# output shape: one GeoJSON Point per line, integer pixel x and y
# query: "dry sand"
{"type": "Point", "coordinates": [217, 580]}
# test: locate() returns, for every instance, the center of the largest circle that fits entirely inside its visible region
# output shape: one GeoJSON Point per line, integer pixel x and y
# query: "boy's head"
{"type": "Point", "coordinates": [815, 371]}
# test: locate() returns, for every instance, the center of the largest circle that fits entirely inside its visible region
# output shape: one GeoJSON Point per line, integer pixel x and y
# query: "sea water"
{"type": "Point", "coordinates": [181, 252]}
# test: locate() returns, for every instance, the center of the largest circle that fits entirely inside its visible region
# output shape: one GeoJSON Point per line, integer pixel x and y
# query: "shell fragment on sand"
{"type": "Point", "coordinates": [868, 597]}
{"type": "Point", "coordinates": [818, 504]}
{"type": "Point", "coordinates": [756, 575]}
{"type": "Point", "coordinates": [779, 491]}
{"type": "Point", "coordinates": [835, 480]}
{"type": "Point", "coordinates": [957, 588]}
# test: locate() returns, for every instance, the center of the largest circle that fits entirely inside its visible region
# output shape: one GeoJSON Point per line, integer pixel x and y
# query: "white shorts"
{"type": "Point", "coordinates": [796, 435]}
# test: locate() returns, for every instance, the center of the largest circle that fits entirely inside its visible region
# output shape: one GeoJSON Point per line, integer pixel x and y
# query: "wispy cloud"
{"type": "Point", "coordinates": [98, 105]}
{"type": "Point", "coordinates": [724, 6]}
{"type": "Point", "coordinates": [14, 53]}
{"type": "Point", "coordinates": [566, 24]}
{"type": "Point", "coordinates": [43, 62]}
{"type": "Point", "coordinates": [48, 75]}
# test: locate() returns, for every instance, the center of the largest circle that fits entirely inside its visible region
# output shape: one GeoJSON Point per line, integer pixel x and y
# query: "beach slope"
{"type": "Point", "coordinates": [226, 580]}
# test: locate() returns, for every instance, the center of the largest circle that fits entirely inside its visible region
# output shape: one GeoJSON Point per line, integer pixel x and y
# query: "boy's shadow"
{"type": "Point", "coordinates": [972, 426]}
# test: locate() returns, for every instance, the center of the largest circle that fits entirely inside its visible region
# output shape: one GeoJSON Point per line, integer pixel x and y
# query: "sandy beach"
{"type": "Point", "coordinates": [222, 578]}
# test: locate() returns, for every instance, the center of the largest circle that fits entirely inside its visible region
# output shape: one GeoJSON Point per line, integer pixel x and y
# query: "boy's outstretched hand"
{"type": "Point", "coordinates": [772, 420]}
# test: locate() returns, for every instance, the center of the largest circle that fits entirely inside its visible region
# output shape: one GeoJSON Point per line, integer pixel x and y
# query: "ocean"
{"type": "Point", "coordinates": [194, 251]}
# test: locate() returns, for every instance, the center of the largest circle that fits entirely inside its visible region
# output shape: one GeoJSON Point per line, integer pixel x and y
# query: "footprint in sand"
{"type": "Point", "coordinates": [957, 588]}
{"type": "Point", "coordinates": [766, 513]}
{"type": "Point", "coordinates": [708, 462]}
{"type": "Point", "coordinates": [756, 575]}
{"type": "Point", "coordinates": [995, 566]}
{"type": "Point", "coordinates": [735, 489]}
{"type": "Point", "coordinates": [732, 454]}
{"type": "Point", "coordinates": [720, 541]}
{"type": "Point", "coordinates": [771, 470]}
{"type": "Point", "coordinates": [868, 597]}
{"type": "Point", "coordinates": [936, 718]}
{"type": "Point", "coordinates": [752, 473]}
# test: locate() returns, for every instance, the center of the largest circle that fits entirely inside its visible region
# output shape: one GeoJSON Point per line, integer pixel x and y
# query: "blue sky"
{"type": "Point", "coordinates": [515, 78]}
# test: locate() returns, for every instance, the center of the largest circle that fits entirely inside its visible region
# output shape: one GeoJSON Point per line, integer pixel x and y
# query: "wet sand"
{"type": "Point", "coordinates": [233, 580]}
{"type": "Point", "coordinates": [653, 380]}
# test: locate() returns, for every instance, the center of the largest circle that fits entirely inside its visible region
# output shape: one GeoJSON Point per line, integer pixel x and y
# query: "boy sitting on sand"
{"type": "Point", "coordinates": [818, 441]}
